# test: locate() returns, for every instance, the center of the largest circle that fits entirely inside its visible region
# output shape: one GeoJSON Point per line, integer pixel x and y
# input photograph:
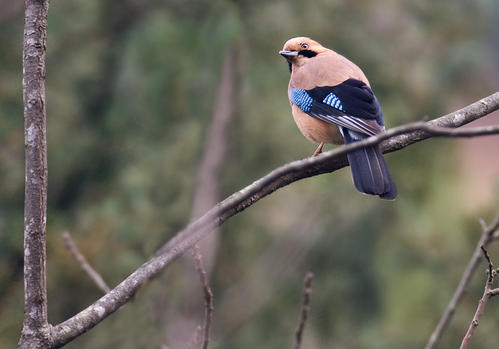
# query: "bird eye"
{"type": "Point", "coordinates": [304, 46]}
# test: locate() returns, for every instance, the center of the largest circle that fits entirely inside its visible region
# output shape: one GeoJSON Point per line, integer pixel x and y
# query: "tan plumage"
{"type": "Point", "coordinates": [332, 102]}
{"type": "Point", "coordinates": [327, 69]}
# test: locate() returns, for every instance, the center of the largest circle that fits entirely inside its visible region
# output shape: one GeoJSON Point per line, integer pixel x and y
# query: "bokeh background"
{"type": "Point", "coordinates": [131, 90]}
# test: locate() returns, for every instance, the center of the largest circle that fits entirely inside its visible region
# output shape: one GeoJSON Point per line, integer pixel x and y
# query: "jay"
{"type": "Point", "coordinates": [332, 102]}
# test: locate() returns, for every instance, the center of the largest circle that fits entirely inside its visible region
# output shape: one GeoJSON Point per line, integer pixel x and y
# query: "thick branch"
{"type": "Point", "coordinates": [485, 239]}
{"type": "Point", "coordinates": [397, 138]}
{"type": "Point", "coordinates": [35, 326]}
{"type": "Point", "coordinates": [82, 261]}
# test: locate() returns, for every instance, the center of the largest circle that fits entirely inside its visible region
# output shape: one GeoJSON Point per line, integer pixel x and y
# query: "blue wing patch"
{"type": "Point", "coordinates": [333, 100]}
{"type": "Point", "coordinates": [351, 105]}
{"type": "Point", "coordinates": [301, 98]}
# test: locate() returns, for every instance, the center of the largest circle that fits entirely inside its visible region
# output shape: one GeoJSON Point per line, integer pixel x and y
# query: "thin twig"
{"type": "Point", "coordinates": [481, 304]}
{"type": "Point", "coordinates": [485, 239]}
{"type": "Point", "coordinates": [208, 296]}
{"type": "Point", "coordinates": [307, 290]}
{"type": "Point", "coordinates": [490, 269]}
{"type": "Point", "coordinates": [237, 202]}
{"type": "Point", "coordinates": [80, 258]}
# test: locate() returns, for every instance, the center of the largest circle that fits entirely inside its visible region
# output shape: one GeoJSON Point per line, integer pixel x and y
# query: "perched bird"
{"type": "Point", "coordinates": [332, 102]}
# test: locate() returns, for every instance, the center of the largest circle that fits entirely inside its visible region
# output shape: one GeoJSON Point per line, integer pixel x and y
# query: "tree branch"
{"type": "Point", "coordinates": [487, 237]}
{"type": "Point", "coordinates": [397, 138]}
{"type": "Point", "coordinates": [35, 326]}
{"type": "Point", "coordinates": [80, 258]}
{"type": "Point", "coordinates": [481, 304]}
{"type": "Point", "coordinates": [208, 295]}
{"type": "Point", "coordinates": [307, 290]}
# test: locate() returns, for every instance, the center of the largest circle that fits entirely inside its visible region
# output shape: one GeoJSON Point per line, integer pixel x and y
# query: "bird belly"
{"type": "Point", "coordinates": [315, 130]}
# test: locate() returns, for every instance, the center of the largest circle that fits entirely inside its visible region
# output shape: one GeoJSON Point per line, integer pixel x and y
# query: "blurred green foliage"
{"type": "Point", "coordinates": [130, 91]}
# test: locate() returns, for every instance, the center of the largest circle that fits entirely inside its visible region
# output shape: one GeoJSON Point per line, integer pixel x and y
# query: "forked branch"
{"type": "Point", "coordinates": [488, 235]}
{"type": "Point", "coordinates": [481, 304]}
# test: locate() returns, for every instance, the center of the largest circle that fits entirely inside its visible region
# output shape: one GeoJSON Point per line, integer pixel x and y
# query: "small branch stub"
{"type": "Point", "coordinates": [307, 291]}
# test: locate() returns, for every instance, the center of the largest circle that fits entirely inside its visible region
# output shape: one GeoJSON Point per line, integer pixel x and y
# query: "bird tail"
{"type": "Point", "coordinates": [369, 170]}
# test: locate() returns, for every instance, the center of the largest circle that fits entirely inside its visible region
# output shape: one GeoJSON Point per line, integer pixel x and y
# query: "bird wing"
{"type": "Point", "coordinates": [351, 104]}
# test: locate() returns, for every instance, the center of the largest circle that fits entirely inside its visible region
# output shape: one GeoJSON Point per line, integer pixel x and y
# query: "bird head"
{"type": "Point", "coordinates": [298, 50]}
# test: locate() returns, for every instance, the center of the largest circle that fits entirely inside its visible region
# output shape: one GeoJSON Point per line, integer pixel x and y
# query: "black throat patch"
{"type": "Point", "coordinates": [307, 53]}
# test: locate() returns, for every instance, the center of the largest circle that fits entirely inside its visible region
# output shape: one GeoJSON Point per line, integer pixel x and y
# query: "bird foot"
{"type": "Point", "coordinates": [318, 150]}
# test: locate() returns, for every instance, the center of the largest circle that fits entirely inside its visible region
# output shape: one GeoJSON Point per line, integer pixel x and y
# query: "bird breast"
{"type": "Point", "coordinates": [316, 130]}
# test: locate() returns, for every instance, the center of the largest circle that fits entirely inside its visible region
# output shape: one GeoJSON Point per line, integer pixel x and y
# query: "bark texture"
{"type": "Point", "coordinates": [35, 332]}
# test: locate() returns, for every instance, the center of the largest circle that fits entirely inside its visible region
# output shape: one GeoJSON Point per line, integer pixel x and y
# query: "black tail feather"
{"type": "Point", "coordinates": [369, 170]}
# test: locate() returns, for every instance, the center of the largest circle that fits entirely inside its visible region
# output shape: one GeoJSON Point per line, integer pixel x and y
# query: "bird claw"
{"type": "Point", "coordinates": [318, 150]}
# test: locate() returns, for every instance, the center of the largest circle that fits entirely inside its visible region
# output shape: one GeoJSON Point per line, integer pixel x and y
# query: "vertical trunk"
{"type": "Point", "coordinates": [35, 332]}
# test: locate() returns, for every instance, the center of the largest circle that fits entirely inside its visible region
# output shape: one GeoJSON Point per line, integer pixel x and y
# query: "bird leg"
{"type": "Point", "coordinates": [319, 149]}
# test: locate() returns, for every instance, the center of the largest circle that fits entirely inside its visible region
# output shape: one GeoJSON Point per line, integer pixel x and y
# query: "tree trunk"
{"type": "Point", "coordinates": [36, 330]}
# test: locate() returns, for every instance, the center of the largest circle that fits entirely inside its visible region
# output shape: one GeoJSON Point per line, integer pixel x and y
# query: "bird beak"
{"type": "Point", "coordinates": [288, 54]}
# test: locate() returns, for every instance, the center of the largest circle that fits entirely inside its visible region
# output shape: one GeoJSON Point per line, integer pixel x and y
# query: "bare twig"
{"type": "Point", "coordinates": [80, 258]}
{"type": "Point", "coordinates": [490, 266]}
{"type": "Point", "coordinates": [208, 296]}
{"type": "Point", "coordinates": [481, 304]}
{"type": "Point", "coordinates": [307, 290]}
{"type": "Point", "coordinates": [485, 239]}
{"type": "Point", "coordinates": [35, 326]}
{"type": "Point", "coordinates": [397, 138]}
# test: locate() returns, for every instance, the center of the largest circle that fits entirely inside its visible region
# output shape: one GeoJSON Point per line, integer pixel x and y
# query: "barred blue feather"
{"type": "Point", "coordinates": [301, 98]}
{"type": "Point", "coordinates": [333, 100]}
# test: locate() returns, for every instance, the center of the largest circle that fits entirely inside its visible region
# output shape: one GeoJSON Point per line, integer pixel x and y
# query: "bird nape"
{"type": "Point", "coordinates": [332, 102]}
